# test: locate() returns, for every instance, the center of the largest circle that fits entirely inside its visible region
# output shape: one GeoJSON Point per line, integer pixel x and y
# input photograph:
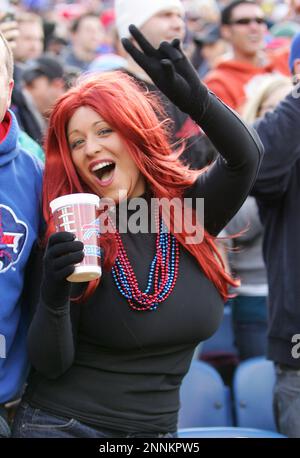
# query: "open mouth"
{"type": "Point", "coordinates": [104, 171]}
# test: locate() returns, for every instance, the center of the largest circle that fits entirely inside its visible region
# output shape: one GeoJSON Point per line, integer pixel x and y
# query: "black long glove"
{"type": "Point", "coordinates": [175, 76]}
{"type": "Point", "coordinates": [171, 72]}
{"type": "Point", "coordinates": [61, 254]}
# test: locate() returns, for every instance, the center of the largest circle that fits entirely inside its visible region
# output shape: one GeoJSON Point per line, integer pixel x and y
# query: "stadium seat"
{"type": "Point", "coordinates": [204, 399]}
{"type": "Point", "coordinates": [253, 384]}
{"type": "Point", "coordinates": [219, 350]}
{"type": "Point", "coordinates": [228, 432]}
{"type": "Point", "coordinates": [223, 339]}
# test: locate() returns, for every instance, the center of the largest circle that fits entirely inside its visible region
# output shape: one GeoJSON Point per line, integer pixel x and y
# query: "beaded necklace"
{"type": "Point", "coordinates": [162, 276]}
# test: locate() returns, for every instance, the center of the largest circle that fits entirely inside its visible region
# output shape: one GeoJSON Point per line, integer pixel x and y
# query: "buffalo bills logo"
{"type": "Point", "coordinates": [91, 229]}
{"type": "Point", "coordinates": [13, 234]}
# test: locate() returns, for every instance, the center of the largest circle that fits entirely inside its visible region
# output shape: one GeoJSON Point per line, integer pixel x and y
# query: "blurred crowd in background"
{"type": "Point", "coordinates": [59, 40]}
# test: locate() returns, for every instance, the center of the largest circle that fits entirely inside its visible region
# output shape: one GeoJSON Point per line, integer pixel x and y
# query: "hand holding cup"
{"type": "Point", "coordinates": [77, 214]}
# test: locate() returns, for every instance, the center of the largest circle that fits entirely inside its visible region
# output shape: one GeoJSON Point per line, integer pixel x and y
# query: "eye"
{"type": "Point", "coordinates": [75, 144]}
{"type": "Point", "coordinates": [104, 131]}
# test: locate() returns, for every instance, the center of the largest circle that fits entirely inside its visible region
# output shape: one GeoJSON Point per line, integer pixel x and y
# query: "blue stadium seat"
{"type": "Point", "coordinates": [228, 432]}
{"type": "Point", "coordinates": [205, 401]}
{"type": "Point", "coordinates": [223, 339]}
{"type": "Point", "coordinates": [253, 385]}
{"type": "Point", "coordinates": [219, 350]}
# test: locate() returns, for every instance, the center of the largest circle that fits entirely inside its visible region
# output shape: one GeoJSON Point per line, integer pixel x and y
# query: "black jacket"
{"type": "Point", "coordinates": [24, 115]}
{"type": "Point", "coordinates": [277, 191]}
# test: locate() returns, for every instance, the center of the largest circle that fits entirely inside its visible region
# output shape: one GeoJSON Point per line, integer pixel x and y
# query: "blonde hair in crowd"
{"type": "Point", "coordinates": [267, 86]}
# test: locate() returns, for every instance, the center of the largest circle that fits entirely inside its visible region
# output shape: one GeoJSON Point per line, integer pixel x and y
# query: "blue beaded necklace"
{"type": "Point", "coordinates": [163, 272]}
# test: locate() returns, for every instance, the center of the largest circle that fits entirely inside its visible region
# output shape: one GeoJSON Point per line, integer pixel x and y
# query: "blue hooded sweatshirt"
{"type": "Point", "coordinates": [20, 216]}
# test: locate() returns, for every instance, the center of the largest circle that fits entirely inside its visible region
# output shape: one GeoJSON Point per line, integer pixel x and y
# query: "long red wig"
{"type": "Point", "coordinates": [134, 115]}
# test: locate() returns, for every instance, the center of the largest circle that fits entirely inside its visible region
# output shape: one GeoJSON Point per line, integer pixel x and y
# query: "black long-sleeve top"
{"type": "Point", "coordinates": [108, 366]}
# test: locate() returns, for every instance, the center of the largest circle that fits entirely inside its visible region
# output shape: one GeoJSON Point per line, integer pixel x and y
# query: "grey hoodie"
{"type": "Point", "coordinates": [246, 261]}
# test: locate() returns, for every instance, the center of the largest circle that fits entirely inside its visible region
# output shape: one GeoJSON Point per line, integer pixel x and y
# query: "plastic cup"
{"type": "Point", "coordinates": [77, 213]}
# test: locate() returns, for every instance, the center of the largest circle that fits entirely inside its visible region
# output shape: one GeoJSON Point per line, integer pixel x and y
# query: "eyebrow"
{"type": "Point", "coordinates": [78, 131]}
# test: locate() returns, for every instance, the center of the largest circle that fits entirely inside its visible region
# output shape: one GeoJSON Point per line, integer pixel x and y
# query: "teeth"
{"type": "Point", "coordinates": [100, 166]}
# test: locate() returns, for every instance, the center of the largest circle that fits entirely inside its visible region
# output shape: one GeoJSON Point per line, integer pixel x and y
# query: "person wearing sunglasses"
{"type": "Point", "coordinates": [243, 26]}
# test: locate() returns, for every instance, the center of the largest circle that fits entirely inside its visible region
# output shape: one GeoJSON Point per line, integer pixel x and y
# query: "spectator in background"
{"type": "Point", "coordinates": [200, 13]}
{"type": "Point", "coordinates": [294, 58]}
{"type": "Point", "coordinates": [43, 83]}
{"type": "Point", "coordinates": [10, 31]}
{"type": "Point", "coordinates": [29, 45]}
{"type": "Point", "coordinates": [87, 34]}
{"type": "Point", "coordinates": [26, 38]}
{"type": "Point", "coordinates": [20, 186]}
{"type": "Point", "coordinates": [30, 41]}
{"type": "Point", "coordinates": [243, 26]}
{"type": "Point", "coordinates": [294, 10]}
{"type": "Point", "coordinates": [163, 20]}
{"type": "Point", "coordinates": [44, 80]}
{"type": "Point", "coordinates": [56, 45]}
{"type": "Point", "coordinates": [249, 307]}
{"type": "Point", "coordinates": [9, 28]}
{"type": "Point", "coordinates": [277, 192]}
{"type": "Point", "coordinates": [265, 97]}
{"type": "Point", "coordinates": [210, 47]}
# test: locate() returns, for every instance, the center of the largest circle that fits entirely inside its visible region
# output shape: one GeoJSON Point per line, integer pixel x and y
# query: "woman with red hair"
{"type": "Point", "coordinates": [108, 359]}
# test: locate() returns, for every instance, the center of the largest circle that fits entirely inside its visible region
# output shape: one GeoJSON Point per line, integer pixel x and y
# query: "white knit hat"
{"type": "Point", "coordinates": [137, 12]}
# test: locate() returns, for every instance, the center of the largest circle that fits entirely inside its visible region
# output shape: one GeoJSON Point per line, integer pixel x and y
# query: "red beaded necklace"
{"type": "Point", "coordinates": [163, 272]}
